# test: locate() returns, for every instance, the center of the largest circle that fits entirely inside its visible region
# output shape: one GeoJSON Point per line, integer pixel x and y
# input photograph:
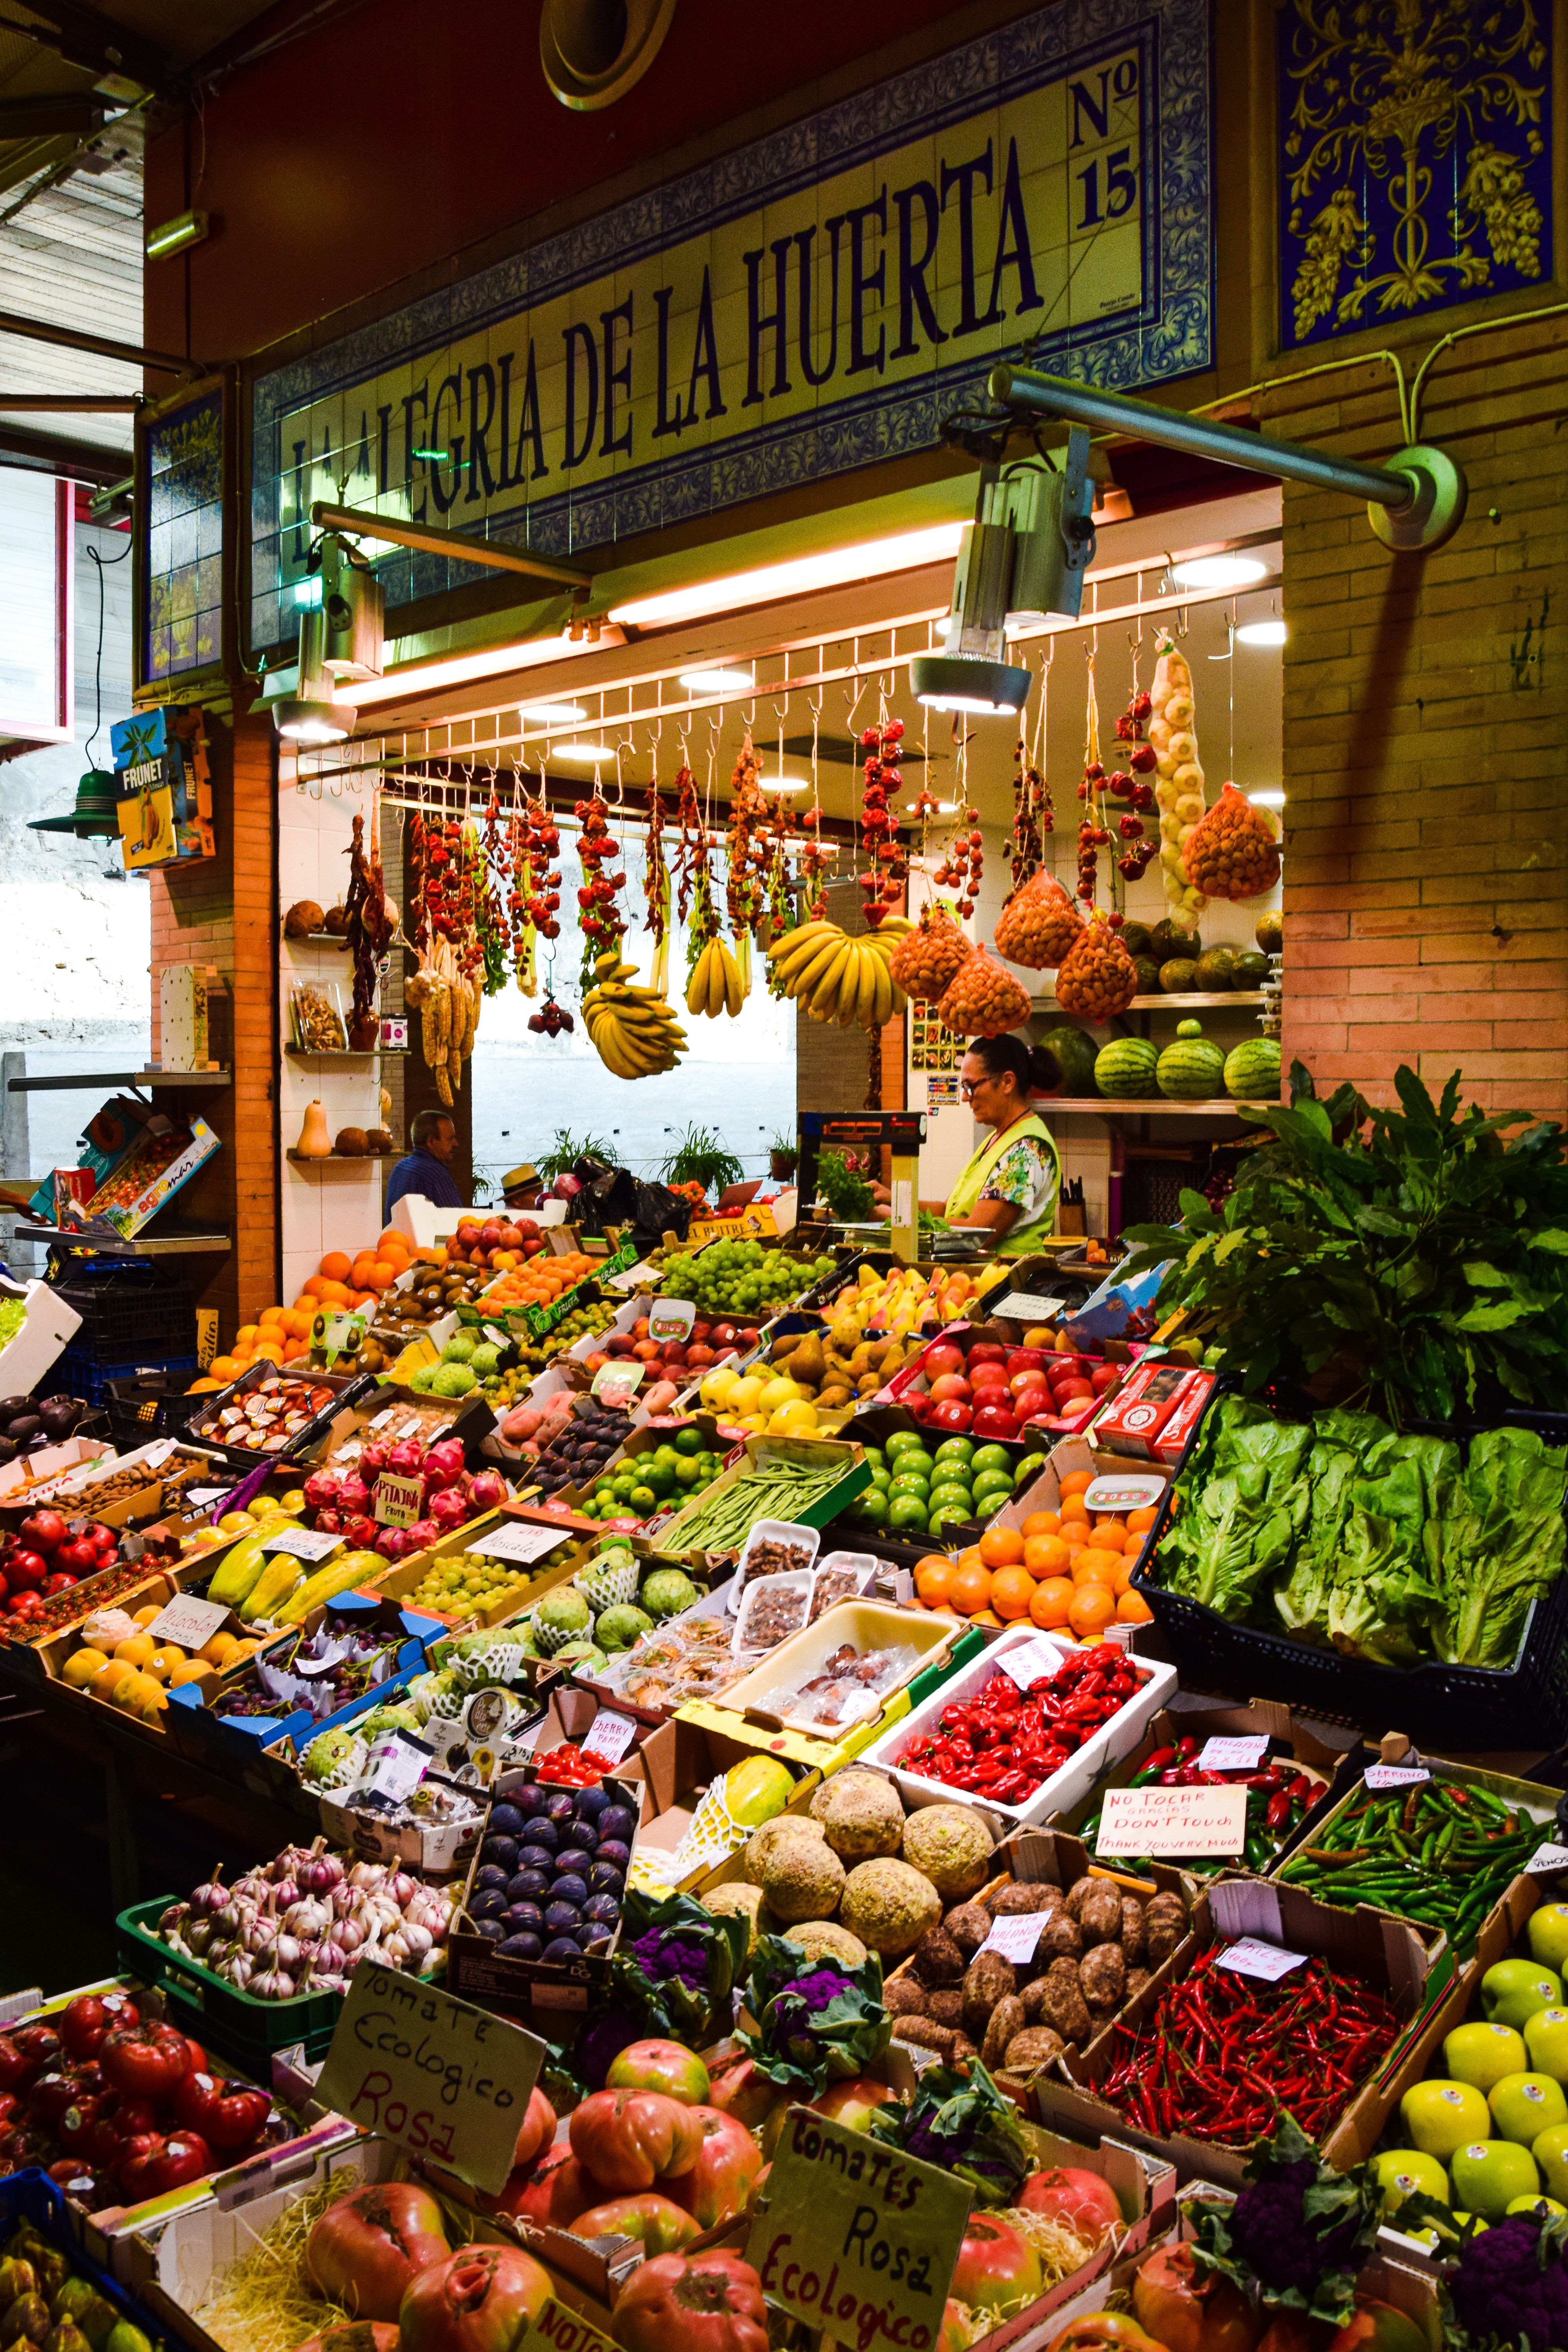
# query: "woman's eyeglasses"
{"type": "Point", "coordinates": [967, 1088]}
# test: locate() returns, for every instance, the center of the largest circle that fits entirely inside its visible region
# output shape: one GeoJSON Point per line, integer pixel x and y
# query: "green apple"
{"type": "Point", "coordinates": [1549, 1935]}
{"type": "Point", "coordinates": [1483, 2054]}
{"type": "Point", "coordinates": [1525, 2106]}
{"type": "Point", "coordinates": [1488, 2174]}
{"type": "Point", "coordinates": [1399, 2172]}
{"type": "Point", "coordinates": [1546, 2209]}
{"type": "Point", "coordinates": [1546, 2039]}
{"type": "Point", "coordinates": [1440, 2116]}
{"type": "Point", "coordinates": [1512, 1991]}
{"type": "Point", "coordinates": [1551, 2152]}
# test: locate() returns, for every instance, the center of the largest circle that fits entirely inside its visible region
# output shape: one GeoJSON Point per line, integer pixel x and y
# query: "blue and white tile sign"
{"type": "Point", "coordinates": [815, 302]}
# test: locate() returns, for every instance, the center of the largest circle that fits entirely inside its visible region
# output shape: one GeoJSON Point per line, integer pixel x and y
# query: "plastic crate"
{"type": "Point", "coordinates": [150, 1401]}
{"type": "Point", "coordinates": [1524, 1705]}
{"type": "Point", "coordinates": [32, 2196]}
{"type": "Point", "coordinates": [85, 1376]}
{"type": "Point", "coordinates": [130, 1312]}
{"type": "Point", "coordinates": [237, 2026]}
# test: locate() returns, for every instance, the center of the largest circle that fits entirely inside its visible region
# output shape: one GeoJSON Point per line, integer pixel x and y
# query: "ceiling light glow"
{"type": "Point", "coordinates": [1218, 571]}
{"type": "Point", "coordinates": [463, 670]}
{"type": "Point", "coordinates": [870, 559]}
{"type": "Point", "coordinates": [784, 783]}
{"type": "Point", "coordinates": [587, 754]}
{"type": "Point", "coordinates": [1272, 797]}
{"type": "Point", "coordinates": [1261, 633]}
{"type": "Point", "coordinates": [717, 681]}
{"type": "Point", "coordinates": [553, 714]}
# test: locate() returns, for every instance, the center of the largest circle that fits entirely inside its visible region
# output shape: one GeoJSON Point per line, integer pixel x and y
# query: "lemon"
{"type": "Point", "coordinates": [81, 1667]}
{"type": "Point", "coordinates": [236, 1523]}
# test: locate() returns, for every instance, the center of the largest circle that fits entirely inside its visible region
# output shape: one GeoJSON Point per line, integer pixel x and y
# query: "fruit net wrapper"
{"type": "Point", "coordinates": [712, 1835]}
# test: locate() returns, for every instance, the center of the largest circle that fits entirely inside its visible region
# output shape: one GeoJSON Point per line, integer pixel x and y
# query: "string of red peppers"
{"type": "Point", "coordinates": [602, 922]}
{"type": "Point", "coordinates": [1132, 785]}
{"type": "Point", "coordinates": [963, 860]}
{"type": "Point", "coordinates": [1220, 2053]}
{"type": "Point", "coordinates": [1004, 1743]}
{"type": "Point", "coordinates": [536, 898]}
{"type": "Point", "coordinates": [887, 863]}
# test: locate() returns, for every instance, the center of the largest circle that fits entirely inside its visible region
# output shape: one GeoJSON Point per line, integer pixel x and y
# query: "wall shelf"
{"type": "Point", "coordinates": [176, 1240]}
{"type": "Point", "coordinates": [339, 1053]}
{"type": "Point", "coordinates": [1239, 1000]}
{"type": "Point", "coordinates": [339, 1160]}
{"type": "Point", "coordinates": [336, 940]}
{"type": "Point", "coordinates": [94, 1078]}
{"type": "Point", "coordinates": [1146, 1107]}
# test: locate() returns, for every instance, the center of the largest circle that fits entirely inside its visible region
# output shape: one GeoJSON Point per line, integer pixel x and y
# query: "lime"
{"type": "Point", "coordinates": [881, 1479]}
{"type": "Point", "coordinates": [657, 1473]}
{"type": "Point", "coordinates": [687, 1472]}
{"type": "Point", "coordinates": [907, 1511]}
{"type": "Point", "coordinates": [992, 1458]}
{"type": "Point", "coordinates": [643, 1500]}
{"type": "Point", "coordinates": [687, 1439]}
{"type": "Point", "coordinates": [872, 1507]}
{"type": "Point", "coordinates": [956, 1449]}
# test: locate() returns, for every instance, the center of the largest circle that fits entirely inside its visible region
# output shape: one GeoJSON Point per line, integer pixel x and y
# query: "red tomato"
{"type": "Point", "coordinates": [166, 2164]}
{"type": "Point", "coordinates": [227, 2114]}
{"type": "Point", "coordinates": [145, 2062]}
{"type": "Point", "coordinates": [719, 2183]}
{"type": "Point", "coordinates": [630, 2139]}
{"type": "Point", "coordinates": [710, 2302]}
{"type": "Point", "coordinates": [87, 2018]}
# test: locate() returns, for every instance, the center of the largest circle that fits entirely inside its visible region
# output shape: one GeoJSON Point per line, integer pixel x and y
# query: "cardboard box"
{"type": "Point", "coordinates": [34, 1479]}
{"type": "Point", "coordinates": [855, 1476]}
{"type": "Point", "coordinates": [439, 1851]}
{"type": "Point", "coordinates": [675, 1767]}
{"type": "Point", "coordinates": [146, 1180]}
{"type": "Point", "coordinates": [1151, 1397]}
{"type": "Point", "coordinates": [1386, 1953]}
{"type": "Point", "coordinates": [400, 1578]}
{"type": "Point", "coordinates": [50, 1322]}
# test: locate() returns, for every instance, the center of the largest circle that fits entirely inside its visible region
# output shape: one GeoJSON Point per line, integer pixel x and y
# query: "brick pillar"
{"type": "Point", "coordinates": [1426, 742]}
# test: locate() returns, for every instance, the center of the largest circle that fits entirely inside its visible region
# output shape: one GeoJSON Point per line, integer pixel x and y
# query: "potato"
{"type": "Point", "coordinates": [1065, 2007]}
{"type": "Point", "coordinates": [1133, 1934]}
{"type": "Point", "coordinates": [906, 1997]}
{"type": "Point", "coordinates": [1007, 2021]}
{"type": "Point", "coordinates": [946, 2006]}
{"type": "Point", "coordinates": [989, 1980]}
{"type": "Point", "coordinates": [1102, 1973]}
{"type": "Point", "coordinates": [926, 2034]}
{"type": "Point", "coordinates": [969, 1924]}
{"type": "Point", "coordinates": [1018, 1899]}
{"type": "Point", "coordinates": [1100, 1913]}
{"type": "Point", "coordinates": [1028, 2051]}
{"type": "Point", "coordinates": [1060, 1939]}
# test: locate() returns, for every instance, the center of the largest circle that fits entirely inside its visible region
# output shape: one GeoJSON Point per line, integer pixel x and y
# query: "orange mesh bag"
{"type": "Point", "coordinates": [1098, 978]}
{"type": "Point", "coordinates": [1038, 925]}
{"type": "Point", "coordinates": [983, 1000]}
{"type": "Point", "coordinates": [926, 958]}
{"type": "Point", "coordinates": [1231, 851]}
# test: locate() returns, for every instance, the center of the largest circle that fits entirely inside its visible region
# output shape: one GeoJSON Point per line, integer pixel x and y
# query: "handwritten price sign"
{"type": "Point", "coordinates": [434, 2076]}
{"type": "Point", "coordinates": [1190, 1821]}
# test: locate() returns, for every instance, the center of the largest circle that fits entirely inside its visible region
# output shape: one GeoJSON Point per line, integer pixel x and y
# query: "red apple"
{"type": "Point", "coordinates": [941, 1357]}
{"type": "Point", "coordinates": [1025, 1359]}
{"type": "Point", "coordinates": [1029, 1402]}
{"type": "Point", "coordinates": [1105, 1378]}
{"type": "Point", "coordinates": [986, 1353]}
{"type": "Point", "coordinates": [988, 1376]}
{"type": "Point", "coordinates": [919, 1408]}
{"type": "Point", "coordinates": [994, 1421]}
{"type": "Point", "coordinates": [950, 1388]}
{"type": "Point", "coordinates": [950, 1414]}
{"type": "Point", "coordinates": [1070, 1391]}
{"type": "Point", "coordinates": [698, 1354]}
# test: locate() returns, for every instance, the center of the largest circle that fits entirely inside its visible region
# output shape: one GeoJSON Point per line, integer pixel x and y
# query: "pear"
{"type": "Point", "coordinates": [123, 2338]}
{"type": "Point", "coordinates": [806, 1364]}
{"type": "Point", "coordinates": [65, 2336]}
{"type": "Point", "coordinates": [27, 2320]}
{"type": "Point", "coordinates": [97, 2319]}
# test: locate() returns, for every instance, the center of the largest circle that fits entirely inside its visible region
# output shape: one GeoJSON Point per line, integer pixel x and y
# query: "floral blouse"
{"type": "Point", "coordinates": [1024, 1177]}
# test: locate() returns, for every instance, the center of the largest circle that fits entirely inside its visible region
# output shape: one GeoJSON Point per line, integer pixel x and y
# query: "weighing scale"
{"type": "Point", "coordinates": [903, 1130]}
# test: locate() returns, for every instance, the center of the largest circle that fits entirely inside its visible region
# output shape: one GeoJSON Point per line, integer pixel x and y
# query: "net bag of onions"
{"type": "Point", "coordinates": [983, 1000]}
{"type": "Point", "coordinates": [926, 958]}
{"type": "Point", "coordinates": [1038, 925]}
{"type": "Point", "coordinates": [1231, 853]}
{"type": "Point", "coordinates": [1098, 978]}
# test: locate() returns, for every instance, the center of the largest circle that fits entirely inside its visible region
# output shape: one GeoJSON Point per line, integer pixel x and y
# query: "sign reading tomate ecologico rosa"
{"type": "Point", "coordinates": [810, 303]}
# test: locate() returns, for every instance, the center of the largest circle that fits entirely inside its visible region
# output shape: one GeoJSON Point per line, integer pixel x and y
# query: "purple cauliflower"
{"type": "Point", "coordinates": [661, 1956]}
{"type": "Point", "coordinates": [1270, 2233]}
{"type": "Point", "coordinates": [1501, 2287]}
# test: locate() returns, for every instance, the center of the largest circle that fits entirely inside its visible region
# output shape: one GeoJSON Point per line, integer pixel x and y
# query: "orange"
{"type": "Point", "coordinates": [1041, 1523]}
{"type": "Point", "coordinates": [316, 1288]}
{"type": "Point", "coordinates": [1133, 1610]}
{"type": "Point", "coordinates": [972, 1558]}
{"type": "Point", "coordinates": [201, 1387]}
{"type": "Point", "coordinates": [1110, 1534]}
{"type": "Point", "coordinates": [1050, 1601]}
{"type": "Point", "coordinates": [271, 1315]}
{"type": "Point", "coordinates": [1012, 1591]}
{"type": "Point", "coordinates": [1139, 1522]}
{"type": "Point", "coordinates": [1074, 1509]}
{"type": "Point", "coordinates": [393, 1236]}
{"type": "Point", "coordinates": [224, 1368]}
{"type": "Point", "coordinates": [382, 1276]}
{"type": "Point", "coordinates": [248, 1335]}
{"type": "Point", "coordinates": [971, 1590]}
{"type": "Point", "coordinates": [1075, 1534]}
{"type": "Point", "coordinates": [1046, 1556]}
{"type": "Point", "coordinates": [1093, 1607]}
{"type": "Point", "coordinates": [335, 1266]}
{"type": "Point", "coordinates": [934, 1581]}
{"type": "Point", "coordinates": [1075, 1482]}
{"type": "Point", "coordinates": [986, 1617]}
{"type": "Point", "coordinates": [336, 1294]}
{"type": "Point", "coordinates": [293, 1350]}
{"type": "Point", "coordinates": [1001, 1546]}
{"type": "Point", "coordinates": [1093, 1566]}
{"type": "Point", "coordinates": [271, 1349]}
{"type": "Point", "coordinates": [1123, 1576]}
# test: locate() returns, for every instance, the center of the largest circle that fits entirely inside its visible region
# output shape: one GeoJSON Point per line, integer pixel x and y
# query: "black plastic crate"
{"type": "Point", "coordinates": [81, 1375]}
{"type": "Point", "coordinates": [130, 1313]}
{"type": "Point", "coordinates": [1453, 1707]}
{"type": "Point", "coordinates": [146, 1400]}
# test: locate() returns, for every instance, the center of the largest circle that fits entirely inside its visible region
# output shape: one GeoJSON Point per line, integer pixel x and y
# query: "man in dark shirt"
{"type": "Point", "coordinates": [424, 1169]}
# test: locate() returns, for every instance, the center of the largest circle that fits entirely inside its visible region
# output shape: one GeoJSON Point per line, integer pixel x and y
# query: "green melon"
{"type": "Point", "coordinates": [1252, 1068]}
{"type": "Point", "coordinates": [1172, 938]}
{"type": "Point", "coordinates": [1270, 932]}
{"type": "Point", "coordinates": [1073, 1052]}
{"type": "Point", "coordinates": [1148, 972]}
{"type": "Point", "coordinates": [1126, 1067]}
{"type": "Point", "coordinates": [1249, 969]}
{"type": "Point", "coordinates": [1190, 1069]}
{"type": "Point", "coordinates": [1137, 939]}
{"type": "Point", "coordinates": [1217, 969]}
{"type": "Point", "coordinates": [1179, 977]}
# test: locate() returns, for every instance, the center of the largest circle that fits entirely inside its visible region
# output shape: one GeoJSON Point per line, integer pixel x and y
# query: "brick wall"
{"type": "Point", "coordinates": [1426, 743]}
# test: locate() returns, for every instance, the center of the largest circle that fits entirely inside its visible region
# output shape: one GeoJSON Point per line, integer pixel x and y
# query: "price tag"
{"type": "Point", "coordinates": [497, 1338]}
{"type": "Point", "coordinates": [609, 1738]}
{"type": "Point", "coordinates": [1184, 1821]}
{"type": "Point", "coordinates": [187, 1622]}
{"type": "Point", "coordinates": [159, 1453]}
{"type": "Point", "coordinates": [198, 1497]}
{"type": "Point", "coordinates": [379, 1420]}
{"type": "Point", "coordinates": [1030, 1661]}
{"type": "Point", "coordinates": [398, 1501]}
{"type": "Point", "coordinates": [437, 2077]}
{"type": "Point", "coordinates": [851, 2242]}
{"type": "Point", "coordinates": [1022, 1306]}
{"type": "Point", "coordinates": [518, 1541]}
{"type": "Point", "coordinates": [397, 1765]}
{"type": "Point", "coordinates": [1546, 1861]}
{"type": "Point", "coordinates": [1395, 1776]}
{"type": "Point", "coordinates": [616, 1381]}
{"type": "Point", "coordinates": [1238, 1755]}
{"type": "Point", "coordinates": [1253, 1957]}
{"type": "Point", "coordinates": [338, 1335]}
{"type": "Point", "coordinates": [558, 2329]}
{"type": "Point", "coordinates": [303, 1543]}
{"type": "Point", "coordinates": [1125, 1490]}
{"type": "Point", "coordinates": [637, 1278]}
{"type": "Point", "coordinates": [670, 1319]}
{"type": "Point", "coordinates": [1015, 1937]}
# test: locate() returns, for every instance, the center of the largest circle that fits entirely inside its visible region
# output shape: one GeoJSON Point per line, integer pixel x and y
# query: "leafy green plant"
{"type": "Point", "coordinates": [701, 1158]}
{"type": "Point", "coordinates": [568, 1148]}
{"type": "Point", "coordinates": [847, 1195]}
{"type": "Point", "coordinates": [1413, 1260]}
{"type": "Point", "coordinates": [783, 1147]}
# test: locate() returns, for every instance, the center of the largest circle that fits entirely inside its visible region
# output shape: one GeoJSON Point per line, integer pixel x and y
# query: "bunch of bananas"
{"type": "Point", "coordinates": [634, 1031]}
{"type": "Point", "coordinates": [840, 979]}
{"type": "Point", "coordinates": [717, 985]}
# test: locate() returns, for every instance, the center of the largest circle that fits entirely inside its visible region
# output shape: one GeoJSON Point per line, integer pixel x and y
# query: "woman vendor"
{"type": "Point", "coordinates": [1009, 1187]}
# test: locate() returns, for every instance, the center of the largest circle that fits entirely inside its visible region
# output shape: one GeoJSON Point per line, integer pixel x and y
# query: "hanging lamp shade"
{"type": "Point", "coordinates": [95, 815]}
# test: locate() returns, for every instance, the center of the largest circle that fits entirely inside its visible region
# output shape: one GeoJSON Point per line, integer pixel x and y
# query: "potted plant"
{"type": "Point", "coordinates": [700, 1158]}
{"type": "Point", "coordinates": [783, 1158]}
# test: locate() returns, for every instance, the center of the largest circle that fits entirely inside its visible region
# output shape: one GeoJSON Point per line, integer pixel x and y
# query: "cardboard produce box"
{"type": "Point", "coordinates": [217, 1739]}
{"type": "Point", "coordinates": [676, 1766]}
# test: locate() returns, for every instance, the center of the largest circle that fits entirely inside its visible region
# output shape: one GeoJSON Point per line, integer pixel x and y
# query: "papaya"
{"type": "Point", "coordinates": [241, 1571]}
{"type": "Point", "coordinates": [281, 1576]}
{"type": "Point", "coordinates": [340, 1575]}
{"type": "Point", "coordinates": [756, 1789]}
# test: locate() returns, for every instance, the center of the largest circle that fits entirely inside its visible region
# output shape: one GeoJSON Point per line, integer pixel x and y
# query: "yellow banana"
{"type": "Point", "coordinates": [802, 980]}
{"type": "Point", "coordinates": [717, 989]}
{"type": "Point", "coordinates": [826, 992]}
{"type": "Point", "coordinates": [796, 945]}
{"type": "Point", "coordinates": [866, 995]}
{"type": "Point", "coordinates": [697, 990]}
{"type": "Point", "coordinates": [734, 987]}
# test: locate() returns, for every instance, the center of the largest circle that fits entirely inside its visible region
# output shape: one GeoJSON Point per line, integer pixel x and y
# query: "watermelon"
{"type": "Point", "coordinates": [1148, 972]}
{"type": "Point", "coordinates": [1270, 932]}
{"type": "Point", "coordinates": [1191, 1068]}
{"type": "Point", "coordinates": [1249, 969]}
{"type": "Point", "coordinates": [1073, 1052]}
{"type": "Point", "coordinates": [1252, 1068]}
{"type": "Point", "coordinates": [1137, 940]}
{"type": "Point", "coordinates": [1172, 939]}
{"type": "Point", "coordinates": [1179, 977]}
{"type": "Point", "coordinates": [1126, 1067]}
{"type": "Point", "coordinates": [1217, 968]}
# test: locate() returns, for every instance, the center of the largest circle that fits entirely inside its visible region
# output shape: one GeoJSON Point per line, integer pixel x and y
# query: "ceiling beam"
{"type": "Point", "coordinates": [94, 41]}
{"type": "Point", "coordinates": [65, 116]}
{"type": "Point", "coordinates": [50, 453]}
{"type": "Point", "coordinates": [44, 331]}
